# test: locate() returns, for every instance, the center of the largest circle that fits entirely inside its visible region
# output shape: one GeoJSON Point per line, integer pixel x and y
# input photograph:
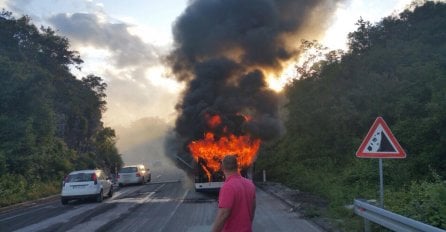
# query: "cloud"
{"type": "Point", "coordinates": [125, 53]}
{"type": "Point", "coordinates": [87, 29]}
{"type": "Point", "coordinates": [131, 95]}
{"type": "Point", "coordinates": [17, 7]}
{"type": "Point", "coordinates": [124, 64]}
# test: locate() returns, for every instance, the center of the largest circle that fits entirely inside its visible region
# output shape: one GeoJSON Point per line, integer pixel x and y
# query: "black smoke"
{"type": "Point", "coordinates": [224, 49]}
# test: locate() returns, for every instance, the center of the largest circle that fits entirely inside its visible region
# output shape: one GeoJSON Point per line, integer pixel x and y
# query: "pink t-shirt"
{"type": "Point", "coordinates": [238, 194]}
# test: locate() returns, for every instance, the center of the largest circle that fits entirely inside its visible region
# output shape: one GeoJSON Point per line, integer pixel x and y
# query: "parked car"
{"type": "Point", "coordinates": [85, 184]}
{"type": "Point", "coordinates": [134, 174]}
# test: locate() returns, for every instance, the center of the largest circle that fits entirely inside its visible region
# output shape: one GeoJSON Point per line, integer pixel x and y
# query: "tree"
{"type": "Point", "coordinates": [394, 69]}
{"type": "Point", "coordinates": [50, 122]}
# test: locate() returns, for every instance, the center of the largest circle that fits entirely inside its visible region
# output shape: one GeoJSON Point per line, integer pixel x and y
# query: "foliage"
{"type": "Point", "coordinates": [423, 201]}
{"type": "Point", "coordinates": [16, 188]}
{"type": "Point", "coordinates": [50, 122]}
{"type": "Point", "coordinates": [395, 69]}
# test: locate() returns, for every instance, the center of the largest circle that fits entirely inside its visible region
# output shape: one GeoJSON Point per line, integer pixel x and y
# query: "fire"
{"type": "Point", "coordinates": [213, 121]}
{"type": "Point", "coordinates": [212, 149]}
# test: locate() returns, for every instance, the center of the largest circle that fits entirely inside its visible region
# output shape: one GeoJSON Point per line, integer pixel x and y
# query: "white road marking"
{"type": "Point", "coordinates": [123, 207]}
{"type": "Point", "coordinates": [62, 218]}
{"type": "Point", "coordinates": [201, 228]}
{"type": "Point", "coordinates": [97, 221]}
{"type": "Point", "coordinates": [174, 211]}
{"type": "Point", "coordinates": [27, 212]}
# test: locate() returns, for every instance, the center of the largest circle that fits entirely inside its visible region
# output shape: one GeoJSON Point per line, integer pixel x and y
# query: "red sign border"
{"type": "Point", "coordinates": [400, 154]}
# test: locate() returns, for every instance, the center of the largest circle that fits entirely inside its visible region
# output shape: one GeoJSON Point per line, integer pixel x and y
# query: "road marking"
{"type": "Point", "coordinates": [201, 228]}
{"type": "Point", "coordinates": [123, 207]}
{"type": "Point", "coordinates": [77, 210]}
{"type": "Point", "coordinates": [62, 218]}
{"type": "Point", "coordinates": [164, 182]}
{"type": "Point", "coordinates": [123, 191]}
{"type": "Point", "coordinates": [174, 211]}
{"type": "Point", "coordinates": [27, 212]}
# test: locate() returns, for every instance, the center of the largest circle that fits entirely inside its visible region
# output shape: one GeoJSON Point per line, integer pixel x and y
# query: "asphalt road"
{"type": "Point", "coordinates": [168, 203]}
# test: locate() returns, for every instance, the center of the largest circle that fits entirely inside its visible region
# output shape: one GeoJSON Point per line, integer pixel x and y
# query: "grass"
{"type": "Point", "coordinates": [16, 189]}
{"type": "Point", "coordinates": [423, 200]}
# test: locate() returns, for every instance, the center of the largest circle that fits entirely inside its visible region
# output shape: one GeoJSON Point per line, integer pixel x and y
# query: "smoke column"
{"type": "Point", "coordinates": [223, 51]}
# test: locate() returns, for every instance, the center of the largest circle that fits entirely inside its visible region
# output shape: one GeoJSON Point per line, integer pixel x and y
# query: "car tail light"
{"type": "Point", "coordinates": [138, 175]}
{"type": "Point", "coordinates": [94, 178]}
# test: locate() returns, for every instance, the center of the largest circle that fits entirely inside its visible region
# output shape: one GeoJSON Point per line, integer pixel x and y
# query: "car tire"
{"type": "Point", "coordinates": [110, 192]}
{"type": "Point", "coordinates": [100, 197]}
{"type": "Point", "coordinates": [64, 201]}
{"type": "Point", "coordinates": [121, 185]}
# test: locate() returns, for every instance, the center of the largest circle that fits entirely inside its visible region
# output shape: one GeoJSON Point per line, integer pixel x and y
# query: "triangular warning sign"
{"type": "Point", "coordinates": [380, 143]}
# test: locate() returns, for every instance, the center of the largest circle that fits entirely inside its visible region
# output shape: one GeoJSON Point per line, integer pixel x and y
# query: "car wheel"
{"type": "Point", "coordinates": [64, 201]}
{"type": "Point", "coordinates": [110, 193]}
{"type": "Point", "coordinates": [100, 197]}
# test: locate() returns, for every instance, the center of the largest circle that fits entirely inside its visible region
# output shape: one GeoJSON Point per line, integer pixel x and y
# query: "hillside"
{"type": "Point", "coordinates": [395, 69]}
{"type": "Point", "coordinates": [50, 122]}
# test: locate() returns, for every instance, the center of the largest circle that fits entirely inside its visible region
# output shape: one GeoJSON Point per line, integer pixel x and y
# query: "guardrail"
{"type": "Point", "coordinates": [388, 219]}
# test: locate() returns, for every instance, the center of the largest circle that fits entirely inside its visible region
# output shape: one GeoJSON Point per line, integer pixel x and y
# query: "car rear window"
{"type": "Point", "coordinates": [129, 170]}
{"type": "Point", "coordinates": [79, 177]}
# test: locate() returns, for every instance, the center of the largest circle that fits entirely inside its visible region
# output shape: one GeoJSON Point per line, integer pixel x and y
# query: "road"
{"type": "Point", "coordinates": [168, 203]}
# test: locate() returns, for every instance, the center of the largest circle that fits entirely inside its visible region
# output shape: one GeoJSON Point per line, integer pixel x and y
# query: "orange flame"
{"type": "Point", "coordinates": [212, 150]}
{"type": "Point", "coordinates": [213, 121]}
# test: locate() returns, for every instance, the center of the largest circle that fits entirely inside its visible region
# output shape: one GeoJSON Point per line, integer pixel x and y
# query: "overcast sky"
{"type": "Point", "coordinates": [124, 42]}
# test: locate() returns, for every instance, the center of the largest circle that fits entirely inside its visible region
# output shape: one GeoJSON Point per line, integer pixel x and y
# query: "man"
{"type": "Point", "coordinates": [236, 202]}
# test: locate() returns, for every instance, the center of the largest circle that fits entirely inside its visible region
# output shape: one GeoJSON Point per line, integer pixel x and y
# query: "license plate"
{"type": "Point", "coordinates": [78, 186]}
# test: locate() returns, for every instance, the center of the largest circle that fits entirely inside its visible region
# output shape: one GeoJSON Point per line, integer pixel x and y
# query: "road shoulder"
{"type": "Point", "coordinates": [308, 206]}
{"type": "Point", "coordinates": [27, 204]}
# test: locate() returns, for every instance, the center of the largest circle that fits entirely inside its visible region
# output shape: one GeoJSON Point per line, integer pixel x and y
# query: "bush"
{"type": "Point", "coordinates": [16, 188]}
{"type": "Point", "coordinates": [423, 201]}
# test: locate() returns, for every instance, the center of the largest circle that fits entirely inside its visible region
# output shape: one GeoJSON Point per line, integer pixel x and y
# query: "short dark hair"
{"type": "Point", "coordinates": [229, 163]}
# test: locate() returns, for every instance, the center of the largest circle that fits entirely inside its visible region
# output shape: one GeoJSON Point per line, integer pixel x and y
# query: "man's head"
{"type": "Point", "coordinates": [229, 164]}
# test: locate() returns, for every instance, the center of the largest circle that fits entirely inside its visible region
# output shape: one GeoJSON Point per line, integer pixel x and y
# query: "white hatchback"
{"type": "Point", "coordinates": [86, 184]}
{"type": "Point", "coordinates": [134, 174]}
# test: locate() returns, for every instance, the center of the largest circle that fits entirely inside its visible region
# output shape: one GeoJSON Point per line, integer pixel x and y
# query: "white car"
{"type": "Point", "coordinates": [134, 174]}
{"type": "Point", "coordinates": [86, 184]}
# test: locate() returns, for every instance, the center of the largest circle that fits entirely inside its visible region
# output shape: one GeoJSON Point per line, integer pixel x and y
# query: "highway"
{"type": "Point", "coordinates": [169, 203]}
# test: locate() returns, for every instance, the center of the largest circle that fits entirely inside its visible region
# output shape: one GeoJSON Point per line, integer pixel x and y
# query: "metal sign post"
{"type": "Point", "coordinates": [381, 183]}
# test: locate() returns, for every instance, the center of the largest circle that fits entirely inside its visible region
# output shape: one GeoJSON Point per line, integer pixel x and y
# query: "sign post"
{"type": "Point", "coordinates": [381, 184]}
{"type": "Point", "coordinates": [380, 143]}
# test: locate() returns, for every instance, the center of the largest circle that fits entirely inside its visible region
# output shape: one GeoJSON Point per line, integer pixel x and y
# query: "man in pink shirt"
{"type": "Point", "coordinates": [236, 201]}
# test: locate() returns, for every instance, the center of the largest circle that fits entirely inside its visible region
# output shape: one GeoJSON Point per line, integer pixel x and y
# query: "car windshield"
{"type": "Point", "coordinates": [129, 170]}
{"type": "Point", "coordinates": [79, 177]}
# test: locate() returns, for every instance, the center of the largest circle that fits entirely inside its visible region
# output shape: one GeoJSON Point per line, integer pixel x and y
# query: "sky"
{"type": "Point", "coordinates": [125, 42]}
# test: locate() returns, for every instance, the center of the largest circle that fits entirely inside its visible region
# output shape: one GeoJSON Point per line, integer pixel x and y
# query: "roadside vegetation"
{"type": "Point", "coordinates": [50, 122]}
{"type": "Point", "coordinates": [395, 69]}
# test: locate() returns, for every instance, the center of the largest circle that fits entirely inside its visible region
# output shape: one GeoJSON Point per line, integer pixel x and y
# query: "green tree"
{"type": "Point", "coordinates": [395, 69]}
{"type": "Point", "coordinates": [50, 122]}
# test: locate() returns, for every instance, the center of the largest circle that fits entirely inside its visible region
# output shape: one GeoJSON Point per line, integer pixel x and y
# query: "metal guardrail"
{"type": "Point", "coordinates": [390, 220]}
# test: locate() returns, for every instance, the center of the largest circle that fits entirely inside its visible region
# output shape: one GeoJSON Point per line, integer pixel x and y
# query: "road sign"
{"type": "Point", "coordinates": [380, 143]}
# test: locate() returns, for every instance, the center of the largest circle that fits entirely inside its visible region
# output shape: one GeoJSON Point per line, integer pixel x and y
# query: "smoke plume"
{"type": "Point", "coordinates": [224, 49]}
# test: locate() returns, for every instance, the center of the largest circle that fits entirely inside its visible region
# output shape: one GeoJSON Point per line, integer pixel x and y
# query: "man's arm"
{"type": "Point", "coordinates": [222, 215]}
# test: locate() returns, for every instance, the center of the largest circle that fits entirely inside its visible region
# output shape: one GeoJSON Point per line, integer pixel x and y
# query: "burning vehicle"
{"type": "Point", "coordinates": [209, 151]}
{"type": "Point", "coordinates": [226, 52]}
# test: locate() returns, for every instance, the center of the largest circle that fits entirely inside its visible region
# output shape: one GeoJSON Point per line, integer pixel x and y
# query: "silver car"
{"type": "Point", "coordinates": [134, 174]}
{"type": "Point", "coordinates": [85, 184]}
